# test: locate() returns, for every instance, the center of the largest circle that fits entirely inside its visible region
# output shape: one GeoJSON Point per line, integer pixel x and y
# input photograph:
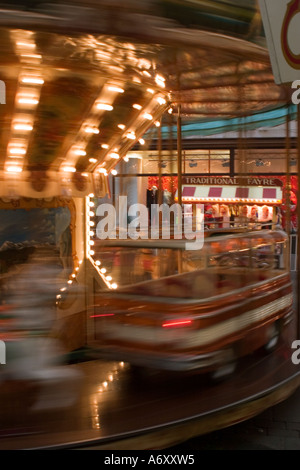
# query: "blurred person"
{"type": "Point", "coordinates": [253, 218]}
{"type": "Point", "coordinates": [265, 213]}
{"type": "Point", "coordinates": [244, 211]}
{"type": "Point", "coordinates": [225, 214]}
{"type": "Point", "coordinates": [278, 218]}
{"type": "Point", "coordinates": [243, 217]}
{"type": "Point", "coordinates": [266, 217]}
{"type": "Point", "coordinates": [208, 215]}
{"type": "Point", "coordinates": [254, 213]}
{"type": "Point", "coordinates": [36, 355]}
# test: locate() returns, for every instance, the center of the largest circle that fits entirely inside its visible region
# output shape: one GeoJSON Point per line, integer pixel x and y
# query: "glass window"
{"type": "Point", "coordinates": [264, 161]}
{"type": "Point", "coordinates": [193, 161]}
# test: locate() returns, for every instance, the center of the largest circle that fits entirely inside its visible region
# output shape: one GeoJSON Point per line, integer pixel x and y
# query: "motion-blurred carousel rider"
{"type": "Point", "coordinates": [36, 355]}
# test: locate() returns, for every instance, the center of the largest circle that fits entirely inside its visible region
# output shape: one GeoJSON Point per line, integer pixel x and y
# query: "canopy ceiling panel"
{"type": "Point", "coordinates": [85, 81]}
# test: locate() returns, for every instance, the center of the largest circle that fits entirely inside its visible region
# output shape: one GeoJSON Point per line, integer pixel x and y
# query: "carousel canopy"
{"type": "Point", "coordinates": [83, 82]}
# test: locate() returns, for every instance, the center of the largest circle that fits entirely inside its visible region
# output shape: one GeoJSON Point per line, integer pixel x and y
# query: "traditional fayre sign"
{"type": "Point", "coordinates": [281, 20]}
{"type": "Point", "coordinates": [234, 181]}
{"type": "Point", "coordinates": [255, 190]}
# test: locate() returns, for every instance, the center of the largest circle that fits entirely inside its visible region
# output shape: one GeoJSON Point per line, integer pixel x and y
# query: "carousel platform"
{"type": "Point", "coordinates": [93, 404]}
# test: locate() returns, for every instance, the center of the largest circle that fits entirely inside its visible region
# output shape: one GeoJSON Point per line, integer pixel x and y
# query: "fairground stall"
{"type": "Point", "coordinates": [81, 84]}
{"type": "Point", "coordinates": [233, 202]}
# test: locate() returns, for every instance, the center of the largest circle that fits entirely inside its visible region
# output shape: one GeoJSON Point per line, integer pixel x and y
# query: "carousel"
{"type": "Point", "coordinates": [82, 84]}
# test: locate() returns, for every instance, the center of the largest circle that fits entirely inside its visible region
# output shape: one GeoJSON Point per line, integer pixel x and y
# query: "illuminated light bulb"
{"type": "Point", "coordinates": [91, 204]}
{"type": "Point", "coordinates": [91, 233]}
{"type": "Point", "coordinates": [114, 155]}
{"type": "Point", "coordinates": [91, 214]}
{"type": "Point", "coordinates": [85, 174]}
{"type": "Point", "coordinates": [114, 172]}
{"type": "Point", "coordinates": [137, 106]}
{"type": "Point", "coordinates": [131, 135]}
{"type": "Point", "coordinates": [146, 73]}
{"type": "Point", "coordinates": [91, 130]}
{"type": "Point", "coordinates": [91, 242]}
{"type": "Point", "coordinates": [157, 123]}
{"type": "Point", "coordinates": [91, 224]}
{"type": "Point", "coordinates": [170, 111]}
{"type": "Point", "coordinates": [92, 252]}
{"type": "Point", "coordinates": [136, 80]}
{"type": "Point", "coordinates": [91, 195]}
{"type": "Point", "coordinates": [63, 289]}
{"type": "Point", "coordinates": [97, 263]}
{"type": "Point", "coordinates": [121, 126]}
{"type": "Point", "coordinates": [70, 282]}
{"type": "Point", "coordinates": [104, 146]}
{"type": "Point", "coordinates": [32, 80]}
{"type": "Point", "coordinates": [149, 90]}
{"type": "Point", "coordinates": [32, 101]}
{"type": "Point", "coordinates": [32, 56]}
{"type": "Point", "coordinates": [23, 127]}
{"type": "Point", "coordinates": [80, 152]}
{"type": "Point", "coordinates": [17, 150]}
{"type": "Point", "coordinates": [108, 278]}
{"type": "Point", "coordinates": [102, 170]}
{"type": "Point", "coordinates": [160, 78]}
{"type": "Point", "coordinates": [58, 296]}
{"type": "Point", "coordinates": [77, 269]}
{"type": "Point", "coordinates": [161, 100]}
{"type": "Point", "coordinates": [69, 169]}
{"type": "Point", "coordinates": [93, 160]}
{"type": "Point", "coordinates": [105, 384]}
{"type": "Point", "coordinates": [116, 88]}
{"type": "Point", "coordinates": [73, 275]}
{"type": "Point", "coordinates": [30, 45]}
{"type": "Point", "coordinates": [142, 141]}
{"type": "Point", "coordinates": [160, 81]}
{"type": "Point", "coordinates": [114, 286]}
{"type": "Point", "coordinates": [103, 270]}
{"type": "Point", "coordinates": [126, 159]}
{"type": "Point", "coordinates": [105, 107]}
{"type": "Point", "coordinates": [13, 169]}
{"type": "Point", "coordinates": [148, 116]}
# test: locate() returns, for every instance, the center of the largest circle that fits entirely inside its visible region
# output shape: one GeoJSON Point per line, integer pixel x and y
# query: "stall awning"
{"type": "Point", "coordinates": [231, 194]}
